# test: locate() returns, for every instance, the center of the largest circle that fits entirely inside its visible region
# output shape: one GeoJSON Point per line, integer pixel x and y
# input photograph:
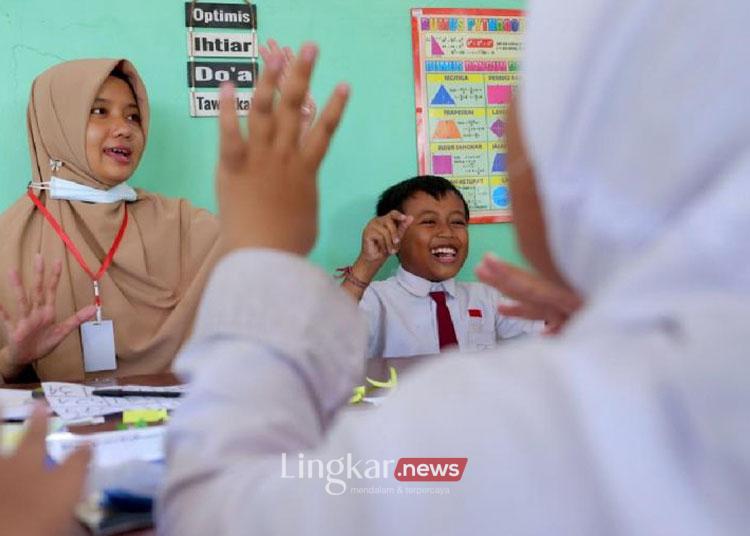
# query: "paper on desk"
{"type": "Point", "coordinates": [111, 448]}
{"type": "Point", "coordinates": [73, 401]}
{"type": "Point", "coordinates": [12, 433]}
{"type": "Point", "coordinates": [16, 404]}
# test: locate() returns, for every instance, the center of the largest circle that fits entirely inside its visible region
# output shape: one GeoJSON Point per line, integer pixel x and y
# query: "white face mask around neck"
{"type": "Point", "coordinates": [72, 191]}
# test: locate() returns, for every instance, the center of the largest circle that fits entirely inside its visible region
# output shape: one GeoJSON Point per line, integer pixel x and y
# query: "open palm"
{"type": "Point", "coordinates": [34, 332]}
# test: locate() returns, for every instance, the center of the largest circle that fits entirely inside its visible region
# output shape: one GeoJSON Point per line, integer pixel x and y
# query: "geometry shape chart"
{"type": "Point", "coordinates": [446, 130]}
{"type": "Point", "coordinates": [442, 164]}
{"type": "Point", "coordinates": [437, 50]}
{"type": "Point", "coordinates": [498, 128]}
{"type": "Point", "coordinates": [500, 197]}
{"type": "Point", "coordinates": [498, 165]}
{"type": "Point", "coordinates": [442, 97]}
{"type": "Point", "coordinates": [499, 94]}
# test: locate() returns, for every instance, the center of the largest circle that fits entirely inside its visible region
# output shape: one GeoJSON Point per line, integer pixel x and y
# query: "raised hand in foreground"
{"type": "Point", "coordinates": [309, 107]}
{"type": "Point", "coordinates": [267, 180]}
{"type": "Point", "coordinates": [536, 298]}
{"type": "Point", "coordinates": [36, 500]}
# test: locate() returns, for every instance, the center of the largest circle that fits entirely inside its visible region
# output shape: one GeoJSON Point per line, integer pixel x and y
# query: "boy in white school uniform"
{"type": "Point", "coordinates": [422, 309]}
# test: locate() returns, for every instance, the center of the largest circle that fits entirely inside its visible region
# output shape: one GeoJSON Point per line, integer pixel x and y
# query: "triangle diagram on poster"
{"type": "Point", "coordinates": [442, 97]}
{"type": "Point", "coordinates": [437, 50]}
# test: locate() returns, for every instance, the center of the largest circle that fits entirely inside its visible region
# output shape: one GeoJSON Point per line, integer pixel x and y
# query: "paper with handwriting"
{"type": "Point", "coordinates": [75, 402]}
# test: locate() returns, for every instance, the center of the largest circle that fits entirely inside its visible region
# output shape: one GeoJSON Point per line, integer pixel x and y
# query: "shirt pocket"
{"type": "Point", "coordinates": [480, 333]}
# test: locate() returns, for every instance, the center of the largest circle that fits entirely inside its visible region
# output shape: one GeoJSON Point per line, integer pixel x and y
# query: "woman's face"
{"type": "Point", "coordinates": [114, 137]}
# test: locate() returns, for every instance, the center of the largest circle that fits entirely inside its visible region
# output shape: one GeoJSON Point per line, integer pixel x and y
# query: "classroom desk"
{"type": "Point", "coordinates": [376, 368]}
{"type": "Point", "coordinates": [111, 422]}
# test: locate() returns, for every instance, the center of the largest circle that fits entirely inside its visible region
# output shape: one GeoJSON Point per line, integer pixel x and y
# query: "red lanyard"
{"type": "Point", "coordinates": [95, 277]}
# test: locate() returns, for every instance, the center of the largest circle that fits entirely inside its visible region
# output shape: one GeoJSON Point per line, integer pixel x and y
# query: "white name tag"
{"type": "Point", "coordinates": [98, 341]}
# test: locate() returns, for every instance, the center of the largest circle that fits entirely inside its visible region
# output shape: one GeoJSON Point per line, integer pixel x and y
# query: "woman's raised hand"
{"type": "Point", "coordinates": [33, 332]}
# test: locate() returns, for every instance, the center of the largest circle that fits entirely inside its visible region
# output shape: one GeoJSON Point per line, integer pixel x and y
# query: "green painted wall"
{"type": "Point", "coordinates": [367, 44]}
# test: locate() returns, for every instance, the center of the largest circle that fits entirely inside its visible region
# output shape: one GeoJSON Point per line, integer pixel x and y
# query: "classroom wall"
{"type": "Point", "coordinates": [367, 44]}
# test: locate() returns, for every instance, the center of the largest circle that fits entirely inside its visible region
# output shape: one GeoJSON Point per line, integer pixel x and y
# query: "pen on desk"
{"type": "Point", "coordinates": [127, 392]}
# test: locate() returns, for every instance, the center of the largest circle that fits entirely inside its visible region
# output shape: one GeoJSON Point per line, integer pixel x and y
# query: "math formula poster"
{"type": "Point", "coordinates": [466, 65]}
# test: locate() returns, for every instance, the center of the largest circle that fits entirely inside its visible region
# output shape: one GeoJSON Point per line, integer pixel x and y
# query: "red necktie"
{"type": "Point", "coordinates": [446, 333]}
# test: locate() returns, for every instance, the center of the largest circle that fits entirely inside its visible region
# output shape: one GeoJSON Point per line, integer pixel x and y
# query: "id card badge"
{"type": "Point", "coordinates": [98, 341]}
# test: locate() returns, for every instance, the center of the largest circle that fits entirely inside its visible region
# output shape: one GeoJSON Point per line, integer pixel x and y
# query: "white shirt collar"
{"type": "Point", "coordinates": [418, 286]}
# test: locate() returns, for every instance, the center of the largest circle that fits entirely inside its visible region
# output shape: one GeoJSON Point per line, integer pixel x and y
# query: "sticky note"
{"type": "Point", "coordinates": [133, 416]}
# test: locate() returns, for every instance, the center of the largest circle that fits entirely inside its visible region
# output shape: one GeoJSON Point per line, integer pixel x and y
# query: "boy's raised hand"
{"type": "Point", "coordinates": [267, 180]}
{"type": "Point", "coordinates": [382, 236]}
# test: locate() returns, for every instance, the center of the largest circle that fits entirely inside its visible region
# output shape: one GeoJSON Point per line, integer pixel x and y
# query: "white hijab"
{"type": "Point", "coordinates": [637, 118]}
{"type": "Point", "coordinates": [644, 169]}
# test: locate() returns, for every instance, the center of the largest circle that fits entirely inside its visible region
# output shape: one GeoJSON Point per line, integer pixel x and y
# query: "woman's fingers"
{"type": "Point", "coordinates": [73, 321]}
{"type": "Point", "coordinates": [16, 284]}
{"type": "Point", "coordinates": [38, 294]}
{"type": "Point", "coordinates": [53, 282]}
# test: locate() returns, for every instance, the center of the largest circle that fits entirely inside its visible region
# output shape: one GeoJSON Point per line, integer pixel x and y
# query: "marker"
{"type": "Point", "coordinates": [126, 392]}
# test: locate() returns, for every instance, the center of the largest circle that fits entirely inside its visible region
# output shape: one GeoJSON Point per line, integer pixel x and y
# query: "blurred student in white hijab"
{"type": "Point", "coordinates": [635, 420]}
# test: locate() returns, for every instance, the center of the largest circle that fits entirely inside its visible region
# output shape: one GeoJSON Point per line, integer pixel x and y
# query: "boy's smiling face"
{"type": "Point", "coordinates": [435, 245]}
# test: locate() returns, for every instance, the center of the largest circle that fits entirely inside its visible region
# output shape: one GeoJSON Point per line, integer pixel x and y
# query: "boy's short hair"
{"type": "Point", "coordinates": [437, 187]}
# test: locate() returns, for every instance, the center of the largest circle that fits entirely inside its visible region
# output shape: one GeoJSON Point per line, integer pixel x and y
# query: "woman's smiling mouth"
{"type": "Point", "coordinates": [121, 155]}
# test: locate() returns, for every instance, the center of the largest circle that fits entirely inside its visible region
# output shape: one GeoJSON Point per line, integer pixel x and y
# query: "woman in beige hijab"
{"type": "Point", "coordinates": [87, 127]}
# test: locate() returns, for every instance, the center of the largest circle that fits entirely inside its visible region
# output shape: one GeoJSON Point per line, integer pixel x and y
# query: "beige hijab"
{"type": "Point", "coordinates": [154, 282]}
